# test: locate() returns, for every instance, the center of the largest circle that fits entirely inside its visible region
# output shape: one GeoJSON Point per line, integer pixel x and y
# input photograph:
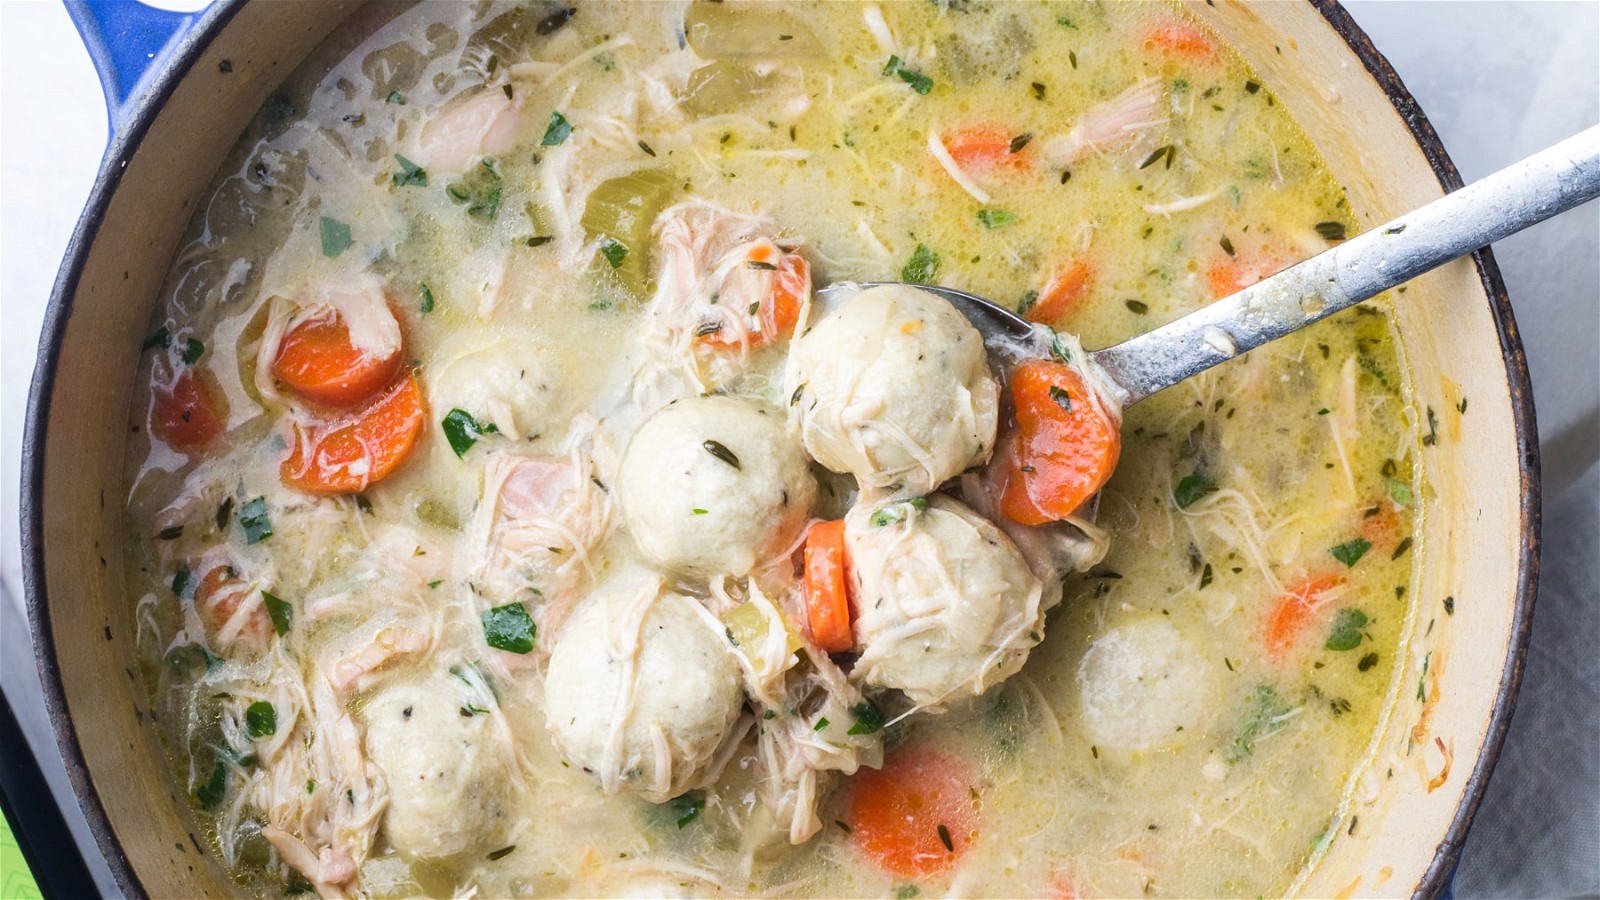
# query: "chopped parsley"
{"type": "Point", "coordinates": [869, 718]}
{"type": "Point", "coordinates": [1332, 231]}
{"type": "Point", "coordinates": [509, 628]}
{"type": "Point", "coordinates": [504, 852]}
{"type": "Point", "coordinates": [161, 338]}
{"type": "Point", "coordinates": [281, 612]}
{"type": "Point", "coordinates": [211, 793]}
{"type": "Point", "coordinates": [192, 351]}
{"type": "Point", "coordinates": [822, 724]}
{"type": "Point", "coordinates": [1351, 551]}
{"type": "Point", "coordinates": [335, 237]}
{"type": "Point", "coordinates": [994, 218]}
{"type": "Point", "coordinates": [410, 173]}
{"type": "Point", "coordinates": [1191, 488]}
{"type": "Point", "coordinates": [614, 251]}
{"type": "Point", "coordinates": [183, 583]}
{"type": "Point", "coordinates": [397, 98]}
{"type": "Point", "coordinates": [261, 720]}
{"type": "Point", "coordinates": [462, 430]}
{"type": "Point", "coordinates": [919, 82]}
{"type": "Point", "coordinates": [923, 266]}
{"type": "Point", "coordinates": [427, 300]}
{"type": "Point", "coordinates": [254, 519]}
{"type": "Point", "coordinates": [685, 808]}
{"type": "Point", "coordinates": [557, 131]}
{"type": "Point", "coordinates": [1346, 631]}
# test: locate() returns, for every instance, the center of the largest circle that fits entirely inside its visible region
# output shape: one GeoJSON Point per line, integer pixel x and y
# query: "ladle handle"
{"type": "Point", "coordinates": [1539, 187]}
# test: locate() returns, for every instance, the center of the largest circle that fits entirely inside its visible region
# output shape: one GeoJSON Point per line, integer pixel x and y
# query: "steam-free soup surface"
{"type": "Point", "coordinates": [493, 449]}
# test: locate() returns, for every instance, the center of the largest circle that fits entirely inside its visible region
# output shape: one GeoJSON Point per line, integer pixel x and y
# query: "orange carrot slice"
{"type": "Point", "coordinates": [220, 595]}
{"type": "Point", "coordinates": [1292, 609]}
{"type": "Point", "coordinates": [1062, 449]}
{"type": "Point", "coordinates": [1178, 39]}
{"type": "Point", "coordinates": [318, 362]}
{"type": "Point", "coordinates": [1061, 293]}
{"type": "Point", "coordinates": [348, 454]}
{"type": "Point", "coordinates": [186, 414]}
{"type": "Point", "coordinates": [982, 149]}
{"type": "Point", "coordinates": [914, 817]}
{"type": "Point", "coordinates": [827, 598]}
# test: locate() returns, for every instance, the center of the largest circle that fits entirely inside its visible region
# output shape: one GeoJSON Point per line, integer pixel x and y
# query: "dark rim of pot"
{"type": "Point", "coordinates": [126, 139]}
{"type": "Point", "coordinates": [194, 43]}
{"type": "Point", "coordinates": [1436, 879]}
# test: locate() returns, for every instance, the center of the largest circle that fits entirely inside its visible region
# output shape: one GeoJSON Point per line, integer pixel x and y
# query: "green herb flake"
{"type": "Point", "coordinates": [994, 218]}
{"type": "Point", "coordinates": [869, 718]}
{"type": "Point", "coordinates": [397, 98]}
{"type": "Point", "coordinates": [1401, 548]}
{"type": "Point", "coordinates": [1367, 662]}
{"type": "Point", "coordinates": [822, 724]}
{"type": "Point", "coordinates": [1399, 491]}
{"type": "Point", "coordinates": [1263, 716]}
{"type": "Point", "coordinates": [183, 583]}
{"type": "Point", "coordinates": [1038, 90]}
{"type": "Point", "coordinates": [1346, 631]}
{"type": "Point", "coordinates": [335, 237]}
{"type": "Point", "coordinates": [212, 793]}
{"type": "Point", "coordinates": [1166, 150]}
{"type": "Point", "coordinates": [1137, 307]}
{"type": "Point", "coordinates": [1191, 488]}
{"type": "Point", "coordinates": [1020, 141]}
{"type": "Point", "coordinates": [261, 720]}
{"type": "Point", "coordinates": [919, 82]}
{"type": "Point", "coordinates": [716, 448]}
{"type": "Point", "coordinates": [685, 808]}
{"type": "Point", "coordinates": [1332, 231]}
{"type": "Point", "coordinates": [614, 251]}
{"type": "Point", "coordinates": [509, 628]}
{"type": "Point", "coordinates": [462, 430]}
{"type": "Point", "coordinates": [410, 174]}
{"type": "Point", "coordinates": [557, 131]}
{"type": "Point", "coordinates": [1351, 551]}
{"type": "Point", "coordinates": [1027, 302]}
{"type": "Point", "coordinates": [428, 303]}
{"type": "Point", "coordinates": [254, 519]}
{"type": "Point", "coordinates": [697, 511]}
{"type": "Point", "coordinates": [1061, 397]}
{"type": "Point", "coordinates": [923, 266]}
{"type": "Point", "coordinates": [1227, 245]}
{"type": "Point", "coordinates": [944, 838]}
{"type": "Point", "coordinates": [281, 612]}
{"type": "Point", "coordinates": [502, 853]}
{"type": "Point", "coordinates": [904, 891]}
{"type": "Point", "coordinates": [192, 351]}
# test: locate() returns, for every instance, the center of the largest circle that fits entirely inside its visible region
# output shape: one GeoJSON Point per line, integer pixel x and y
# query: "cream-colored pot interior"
{"type": "Point", "coordinates": [1480, 509]}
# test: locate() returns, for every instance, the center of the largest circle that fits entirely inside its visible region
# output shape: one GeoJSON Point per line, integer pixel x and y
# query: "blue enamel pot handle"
{"type": "Point", "coordinates": [127, 41]}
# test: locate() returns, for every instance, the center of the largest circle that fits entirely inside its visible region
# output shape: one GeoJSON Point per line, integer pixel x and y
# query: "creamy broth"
{"type": "Point", "coordinates": [519, 189]}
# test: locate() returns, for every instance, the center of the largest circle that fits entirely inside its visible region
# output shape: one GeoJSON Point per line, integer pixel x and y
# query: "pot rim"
{"type": "Point", "coordinates": [193, 43]}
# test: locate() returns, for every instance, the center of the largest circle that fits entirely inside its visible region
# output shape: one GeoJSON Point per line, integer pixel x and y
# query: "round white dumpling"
{"type": "Point", "coordinates": [501, 383]}
{"type": "Point", "coordinates": [447, 782]}
{"type": "Point", "coordinates": [1142, 684]}
{"type": "Point", "coordinates": [714, 485]}
{"type": "Point", "coordinates": [947, 606]}
{"type": "Point", "coordinates": [642, 688]}
{"type": "Point", "coordinates": [894, 388]}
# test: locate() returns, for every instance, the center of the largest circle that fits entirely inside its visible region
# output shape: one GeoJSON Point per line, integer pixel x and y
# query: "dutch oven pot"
{"type": "Point", "coordinates": [1421, 778]}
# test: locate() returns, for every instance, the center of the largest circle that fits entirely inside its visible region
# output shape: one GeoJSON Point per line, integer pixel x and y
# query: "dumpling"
{"type": "Point", "coordinates": [438, 748]}
{"type": "Point", "coordinates": [947, 606]}
{"type": "Point", "coordinates": [714, 485]}
{"type": "Point", "coordinates": [894, 388]}
{"type": "Point", "coordinates": [1142, 684]}
{"type": "Point", "coordinates": [642, 688]}
{"type": "Point", "coordinates": [501, 383]}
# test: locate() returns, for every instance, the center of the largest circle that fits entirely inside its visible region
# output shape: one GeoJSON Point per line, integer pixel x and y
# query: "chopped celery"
{"type": "Point", "coordinates": [622, 210]}
{"type": "Point", "coordinates": [748, 29]}
{"type": "Point", "coordinates": [722, 87]}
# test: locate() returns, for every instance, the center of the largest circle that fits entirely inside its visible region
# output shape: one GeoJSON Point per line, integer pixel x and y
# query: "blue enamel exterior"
{"type": "Point", "coordinates": [125, 39]}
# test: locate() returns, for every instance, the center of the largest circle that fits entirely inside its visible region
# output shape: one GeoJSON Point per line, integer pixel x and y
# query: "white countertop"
{"type": "Point", "coordinates": [1499, 80]}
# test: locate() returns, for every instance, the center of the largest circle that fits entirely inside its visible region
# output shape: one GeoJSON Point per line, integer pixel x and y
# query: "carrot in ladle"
{"type": "Point", "coordinates": [319, 362]}
{"type": "Point", "coordinates": [1062, 449]}
{"type": "Point", "coordinates": [827, 597]}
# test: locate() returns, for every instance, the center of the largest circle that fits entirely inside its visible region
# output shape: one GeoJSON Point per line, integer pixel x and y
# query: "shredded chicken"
{"type": "Point", "coordinates": [1126, 120]}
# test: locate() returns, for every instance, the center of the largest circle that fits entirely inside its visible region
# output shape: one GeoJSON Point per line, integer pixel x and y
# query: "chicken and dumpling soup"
{"type": "Point", "coordinates": [510, 514]}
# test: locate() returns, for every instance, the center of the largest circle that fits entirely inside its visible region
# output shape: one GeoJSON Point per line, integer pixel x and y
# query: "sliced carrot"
{"type": "Point", "coordinates": [186, 414]}
{"type": "Point", "coordinates": [916, 816]}
{"type": "Point", "coordinates": [827, 599]}
{"type": "Point", "coordinates": [319, 363]}
{"type": "Point", "coordinates": [1296, 606]}
{"type": "Point", "coordinates": [1228, 275]}
{"type": "Point", "coordinates": [347, 454]}
{"type": "Point", "coordinates": [1062, 292]}
{"type": "Point", "coordinates": [778, 313]}
{"type": "Point", "coordinates": [982, 149]}
{"type": "Point", "coordinates": [1062, 449]}
{"type": "Point", "coordinates": [1180, 40]}
{"type": "Point", "coordinates": [220, 594]}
